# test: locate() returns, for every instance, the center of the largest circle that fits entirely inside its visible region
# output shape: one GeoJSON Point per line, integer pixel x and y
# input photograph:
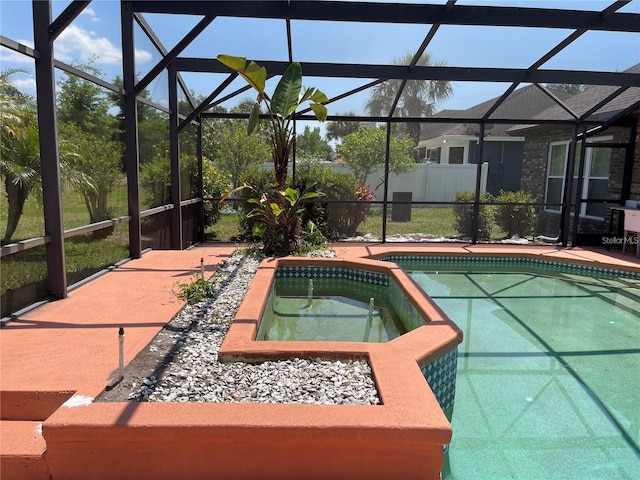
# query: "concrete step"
{"type": "Point", "coordinates": [31, 405]}
{"type": "Point", "coordinates": [22, 449]}
{"type": "Point", "coordinates": [22, 446]}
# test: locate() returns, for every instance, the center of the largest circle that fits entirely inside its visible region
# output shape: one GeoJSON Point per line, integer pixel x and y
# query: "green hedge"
{"type": "Point", "coordinates": [463, 214]}
{"type": "Point", "coordinates": [515, 219]}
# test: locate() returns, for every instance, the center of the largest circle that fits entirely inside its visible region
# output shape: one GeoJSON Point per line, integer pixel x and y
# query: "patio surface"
{"type": "Point", "coordinates": [70, 347]}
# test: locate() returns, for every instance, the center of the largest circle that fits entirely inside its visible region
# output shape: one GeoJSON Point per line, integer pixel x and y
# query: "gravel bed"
{"type": "Point", "coordinates": [187, 369]}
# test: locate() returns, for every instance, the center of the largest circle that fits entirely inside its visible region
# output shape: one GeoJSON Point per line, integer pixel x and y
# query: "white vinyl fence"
{"type": "Point", "coordinates": [429, 182]}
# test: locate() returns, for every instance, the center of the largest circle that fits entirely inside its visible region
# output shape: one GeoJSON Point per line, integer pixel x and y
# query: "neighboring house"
{"type": "Point", "coordinates": [457, 143]}
{"type": "Point", "coordinates": [611, 165]}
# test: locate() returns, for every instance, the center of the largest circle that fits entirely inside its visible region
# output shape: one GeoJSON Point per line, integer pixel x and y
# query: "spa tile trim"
{"type": "Point", "coordinates": [333, 272]}
{"type": "Point", "coordinates": [441, 376]}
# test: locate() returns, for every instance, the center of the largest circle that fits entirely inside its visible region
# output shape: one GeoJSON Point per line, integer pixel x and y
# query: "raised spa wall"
{"type": "Point", "coordinates": [403, 437]}
{"type": "Point", "coordinates": [439, 373]}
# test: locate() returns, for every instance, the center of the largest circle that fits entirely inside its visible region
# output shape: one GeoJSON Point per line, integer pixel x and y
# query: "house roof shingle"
{"type": "Point", "coordinates": [586, 100]}
{"type": "Point", "coordinates": [522, 103]}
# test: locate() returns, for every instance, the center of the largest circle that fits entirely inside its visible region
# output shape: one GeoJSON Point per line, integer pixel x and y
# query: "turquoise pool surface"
{"type": "Point", "coordinates": [548, 382]}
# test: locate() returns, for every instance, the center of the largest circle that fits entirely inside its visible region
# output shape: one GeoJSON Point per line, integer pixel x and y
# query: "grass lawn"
{"type": "Point", "coordinates": [225, 229]}
{"type": "Point", "coordinates": [74, 212]}
{"type": "Point", "coordinates": [436, 221]}
{"type": "Point", "coordinates": [84, 255]}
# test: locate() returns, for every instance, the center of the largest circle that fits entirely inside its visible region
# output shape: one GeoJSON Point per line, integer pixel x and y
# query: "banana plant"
{"type": "Point", "coordinates": [288, 95]}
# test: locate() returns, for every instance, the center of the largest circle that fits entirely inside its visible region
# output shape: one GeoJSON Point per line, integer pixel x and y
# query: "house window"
{"type": "Point", "coordinates": [555, 174]}
{"type": "Point", "coordinates": [433, 155]}
{"type": "Point", "coordinates": [597, 163]}
{"type": "Point", "coordinates": [596, 180]}
{"type": "Point", "coordinates": [456, 155]}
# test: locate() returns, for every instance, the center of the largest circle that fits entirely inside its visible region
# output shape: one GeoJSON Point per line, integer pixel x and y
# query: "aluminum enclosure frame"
{"type": "Point", "coordinates": [46, 29]}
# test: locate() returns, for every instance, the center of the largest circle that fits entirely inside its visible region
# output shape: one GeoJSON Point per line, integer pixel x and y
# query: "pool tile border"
{"type": "Point", "coordinates": [560, 266]}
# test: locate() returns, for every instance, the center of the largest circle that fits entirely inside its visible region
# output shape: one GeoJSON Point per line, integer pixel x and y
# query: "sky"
{"type": "Point", "coordinates": [95, 34]}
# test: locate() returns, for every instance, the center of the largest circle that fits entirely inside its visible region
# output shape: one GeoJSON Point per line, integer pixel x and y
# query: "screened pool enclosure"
{"type": "Point", "coordinates": [449, 121]}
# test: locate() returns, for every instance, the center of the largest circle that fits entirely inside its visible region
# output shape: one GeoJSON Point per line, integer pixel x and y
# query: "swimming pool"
{"type": "Point", "coordinates": [548, 380]}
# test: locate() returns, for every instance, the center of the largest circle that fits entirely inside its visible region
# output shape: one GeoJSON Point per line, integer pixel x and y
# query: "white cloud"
{"type": "Point", "coordinates": [9, 56]}
{"type": "Point", "coordinates": [25, 84]}
{"type": "Point", "coordinates": [142, 56]}
{"type": "Point", "coordinates": [91, 13]}
{"type": "Point", "coordinates": [77, 43]}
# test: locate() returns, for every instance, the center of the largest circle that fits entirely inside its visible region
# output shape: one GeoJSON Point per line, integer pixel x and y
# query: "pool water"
{"type": "Point", "coordinates": [548, 382]}
{"type": "Point", "coordinates": [336, 310]}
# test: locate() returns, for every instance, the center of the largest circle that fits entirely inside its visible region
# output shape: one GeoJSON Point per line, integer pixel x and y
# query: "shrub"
{"type": "Point", "coordinates": [155, 184]}
{"type": "Point", "coordinates": [214, 184]}
{"type": "Point", "coordinates": [515, 219]}
{"type": "Point", "coordinates": [463, 214]}
{"type": "Point", "coordinates": [332, 219]}
{"type": "Point", "coordinates": [336, 219]}
{"type": "Point", "coordinates": [258, 177]}
{"type": "Point", "coordinates": [312, 239]}
{"type": "Point", "coordinates": [341, 219]}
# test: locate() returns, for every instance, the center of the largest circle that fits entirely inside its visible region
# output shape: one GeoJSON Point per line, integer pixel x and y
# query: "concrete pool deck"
{"type": "Point", "coordinates": [69, 348]}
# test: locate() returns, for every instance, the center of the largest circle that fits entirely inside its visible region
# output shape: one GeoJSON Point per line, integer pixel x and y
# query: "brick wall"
{"type": "Point", "coordinates": [535, 157]}
{"type": "Point", "coordinates": [534, 174]}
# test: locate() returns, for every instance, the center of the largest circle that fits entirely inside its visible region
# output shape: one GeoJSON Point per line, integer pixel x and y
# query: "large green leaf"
{"type": "Point", "coordinates": [259, 230]}
{"type": "Point", "coordinates": [291, 195]}
{"type": "Point", "coordinates": [276, 209]}
{"type": "Point", "coordinates": [319, 97]}
{"type": "Point", "coordinates": [314, 95]}
{"type": "Point", "coordinates": [253, 118]}
{"type": "Point", "coordinates": [254, 74]}
{"type": "Point", "coordinates": [306, 95]}
{"type": "Point", "coordinates": [256, 213]}
{"type": "Point", "coordinates": [234, 63]}
{"type": "Point", "coordinates": [309, 195]}
{"type": "Point", "coordinates": [320, 111]}
{"type": "Point", "coordinates": [285, 96]}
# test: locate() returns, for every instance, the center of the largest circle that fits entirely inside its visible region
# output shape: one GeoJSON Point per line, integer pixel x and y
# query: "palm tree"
{"type": "Point", "coordinates": [20, 159]}
{"type": "Point", "coordinates": [12, 103]}
{"type": "Point", "coordinates": [20, 151]}
{"type": "Point", "coordinates": [338, 129]}
{"type": "Point", "coordinates": [418, 99]}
